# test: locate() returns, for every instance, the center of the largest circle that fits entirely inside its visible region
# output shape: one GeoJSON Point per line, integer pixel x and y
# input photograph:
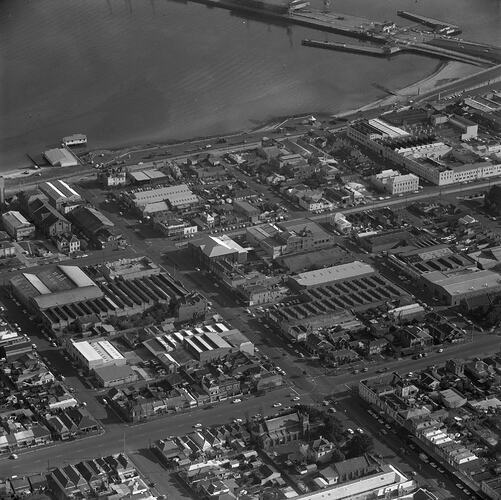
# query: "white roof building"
{"type": "Point", "coordinates": [96, 354]}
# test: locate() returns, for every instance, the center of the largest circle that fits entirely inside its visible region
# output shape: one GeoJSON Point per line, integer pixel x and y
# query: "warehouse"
{"type": "Point", "coordinates": [53, 286]}
{"type": "Point", "coordinates": [333, 274]}
{"type": "Point", "coordinates": [179, 196]}
{"type": "Point", "coordinates": [113, 375]}
{"type": "Point", "coordinates": [465, 287]}
{"type": "Point", "coordinates": [17, 226]}
{"type": "Point", "coordinates": [60, 158]}
{"type": "Point", "coordinates": [97, 354]}
{"type": "Point", "coordinates": [60, 194]}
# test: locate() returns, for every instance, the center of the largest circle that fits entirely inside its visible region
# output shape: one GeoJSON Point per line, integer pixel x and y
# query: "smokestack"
{"type": "Point", "coordinates": [2, 191]}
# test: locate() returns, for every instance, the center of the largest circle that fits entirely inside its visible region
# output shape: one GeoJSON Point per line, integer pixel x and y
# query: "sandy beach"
{"type": "Point", "coordinates": [446, 72]}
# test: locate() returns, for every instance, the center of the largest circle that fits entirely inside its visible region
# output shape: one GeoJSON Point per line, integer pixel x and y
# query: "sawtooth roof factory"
{"type": "Point", "coordinates": [66, 295]}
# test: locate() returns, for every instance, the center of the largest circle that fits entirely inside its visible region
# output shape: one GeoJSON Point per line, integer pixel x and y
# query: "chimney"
{"type": "Point", "coordinates": [2, 191]}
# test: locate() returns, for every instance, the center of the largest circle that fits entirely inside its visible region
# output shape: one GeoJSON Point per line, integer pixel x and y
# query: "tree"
{"type": "Point", "coordinates": [358, 445]}
{"type": "Point", "coordinates": [493, 200]}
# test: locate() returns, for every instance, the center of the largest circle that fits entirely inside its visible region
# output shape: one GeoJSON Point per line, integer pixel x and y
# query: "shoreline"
{"type": "Point", "coordinates": [445, 70]}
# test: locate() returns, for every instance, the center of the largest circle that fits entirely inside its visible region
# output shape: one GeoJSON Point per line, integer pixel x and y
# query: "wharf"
{"type": "Point", "coordinates": [436, 24]}
{"type": "Point", "coordinates": [354, 48]}
{"type": "Point", "coordinates": [343, 24]}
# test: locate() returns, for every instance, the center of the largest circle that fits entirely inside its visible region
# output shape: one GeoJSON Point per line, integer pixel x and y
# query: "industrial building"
{"type": "Point", "coordinates": [290, 237]}
{"type": "Point", "coordinates": [113, 375]}
{"type": "Point", "coordinates": [60, 157]}
{"type": "Point", "coordinates": [177, 197]}
{"type": "Point", "coordinates": [466, 287]}
{"type": "Point", "coordinates": [54, 286]}
{"type": "Point", "coordinates": [100, 230]}
{"type": "Point", "coordinates": [423, 155]}
{"type": "Point", "coordinates": [394, 182]}
{"type": "Point", "coordinates": [210, 248]}
{"type": "Point", "coordinates": [60, 195]}
{"type": "Point", "coordinates": [95, 354]}
{"type": "Point", "coordinates": [17, 226]}
{"type": "Point", "coordinates": [66, 295]}
{"type": "Point", "coordinates": [328, 275]}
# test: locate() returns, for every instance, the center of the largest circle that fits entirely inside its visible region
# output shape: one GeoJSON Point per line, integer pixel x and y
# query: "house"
{"type": "Point", "coordinates": [67, 482]}
{"type": "Point", "coordinates": [414, 336]}
{"type": "Point", "coordinates": [374, 347]}
{"type": "Point", "coordinates": [67, 243]}
{"type": "Point", "coordinates": [320, 450]}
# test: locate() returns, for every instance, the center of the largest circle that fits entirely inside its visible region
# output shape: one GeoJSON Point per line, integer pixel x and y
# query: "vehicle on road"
{"type": "Point", "coordinates": [277, 405]}
{"type": "Point", "coordinates": [14, 456]}
{"type": "Point", "coordinates": [197, 426]}
{"type": "Point", "coordinates": [236, 401]}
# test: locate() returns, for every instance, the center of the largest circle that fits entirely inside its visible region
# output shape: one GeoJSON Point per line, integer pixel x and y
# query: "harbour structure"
{"type": "Point", "coordinates": [437, 25]}
{"type": "Point", "coordinates": [74, 140]}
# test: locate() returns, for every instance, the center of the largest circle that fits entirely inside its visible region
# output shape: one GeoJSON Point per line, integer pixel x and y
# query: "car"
{"type": "Point", "coordinates": [277, 405]}
{"type": "Point", "coordinates": [197, 425]}
{"type": "Point", "coordinates": [350, 431]}
{"type": "Point", "coordinates": [53, 344]}
{"type": "Point", "coordinates": [388, 427]}
{"type": "Point", "coordinates": [360, 431]}
{"type": "Point", "coordinates": [296, 398]}
{"type": "Point", "coordinates": [14, 456]}
{"type": "Point", "coordinates": [384, 431]}
{"type": "Point", "coordinates": [236, 401]}
{"type": "Point", "coordinates": [440, 350]}
{"type": "Point", "coordinates": [380, 420]}
{"type": "Point", "coordinates": [237, 420]}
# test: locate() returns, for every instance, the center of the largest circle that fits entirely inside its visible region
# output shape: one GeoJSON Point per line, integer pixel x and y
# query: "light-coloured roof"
{"type": "Point", "coordinates": [87, 351]}
{"type": "Point", "coordinates": [388, 129]}
{"type": "Point", "coordinates": [61, 156]}
{"type": "Point", "coordinates": [333, 273]}
{"type": "Point", "coordinates": [77, 276]}
{"type": "Point", "coordinates": [464, 282]}
{"type": "Point", "coordinates": [15, 218]}
{"type": "Point", "coordinates": [37, 283]}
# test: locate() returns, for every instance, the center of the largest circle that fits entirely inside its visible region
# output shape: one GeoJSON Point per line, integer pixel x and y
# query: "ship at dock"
{"type": "Point", "coordinates": [275, 6]}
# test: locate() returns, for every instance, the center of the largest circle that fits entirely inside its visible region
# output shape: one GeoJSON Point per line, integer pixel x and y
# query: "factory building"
{"type": "Point", "coordinates": [466, 287]}
{"type": "Point", "coordinates": [423, 156]}
{"type": "Point", "coordinates": [96, 354]}
{"type": "Point", "coordinates": [329, 275]}
{"type": "Point", "coordinates": [17, 226]}
{"type": "Point", "coordinates": [60, 195]}
{"type": "Point", "coordinates": [54, 286]}
{"type": "Point", "coordinates": [177, 197]}
{"type": "Point", "coordinates": [209, 249]}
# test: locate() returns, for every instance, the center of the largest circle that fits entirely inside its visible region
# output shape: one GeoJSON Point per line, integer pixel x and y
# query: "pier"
{"type": "Point", "coordinates": [435, 24]}
{"type": "Point", "coordinates": [354, 48]}
{"type": "Point", "coordinates": [393, 40]}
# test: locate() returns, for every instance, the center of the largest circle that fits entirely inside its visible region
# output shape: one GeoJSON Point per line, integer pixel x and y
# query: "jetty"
{"type": "Point", "coordinates": [368, 50]}
{"type": "Point", "coordinates": [437, 25]}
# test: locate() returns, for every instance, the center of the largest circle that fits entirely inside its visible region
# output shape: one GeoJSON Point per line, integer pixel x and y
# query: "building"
{"type": "Point", "coordinates": [463, 287]}
{"type": "Point", "coordinates": [17, 226]}
{"type": "Point", "coordinates": [467, 128]}
{"type": "Point", "coordinates": [394, 182]}
{"type": "Point", "coordinates": [290, 237]}
{"type": "Point", "coordinates": [74, 140]}
{"type": "Point", "coordinates": [177, 197]}
{"type": "Point", "coordinates": [333, 274]}
{"type": "Point", "coordinates": [60, 195]}
{"type": "Point", "coordinates": [95, 354]}
{"type": "Point", "coordinates": [96, 227]}
{"type": "Point", "coordinates": [60, 157]}
{"type": "Point", "coordinates": [113, 375]}
{"type": "Point", "coordinates": [211, 248]}
{"type": "Point", "coordinates": [54, 286]}
{"type": "Point", "coordinates": [47, 219]}
{"type": "Point", "coordinates": [67, 243]}
{"type": "Point", "coordinates": [112, 177]}
{"type": "Point", "coordinates": [423, 155]}
{"type": "Point", "coordinates": [7, 249]}
{"type": "Point", "coordinates": [246, 211]}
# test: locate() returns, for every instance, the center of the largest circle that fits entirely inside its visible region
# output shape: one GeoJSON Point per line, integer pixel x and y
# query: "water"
{"type": "Point", "coordinates": [129, 71]}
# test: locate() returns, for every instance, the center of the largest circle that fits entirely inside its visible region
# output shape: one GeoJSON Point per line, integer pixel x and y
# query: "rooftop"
{"type": "Point", "coordinates": [465, 281]}
{"type": "Point", "coordinates": [333, 273]}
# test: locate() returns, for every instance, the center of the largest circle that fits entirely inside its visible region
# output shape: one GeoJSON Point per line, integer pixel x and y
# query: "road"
{"type": "Point", "coordinates": [119, 437]}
